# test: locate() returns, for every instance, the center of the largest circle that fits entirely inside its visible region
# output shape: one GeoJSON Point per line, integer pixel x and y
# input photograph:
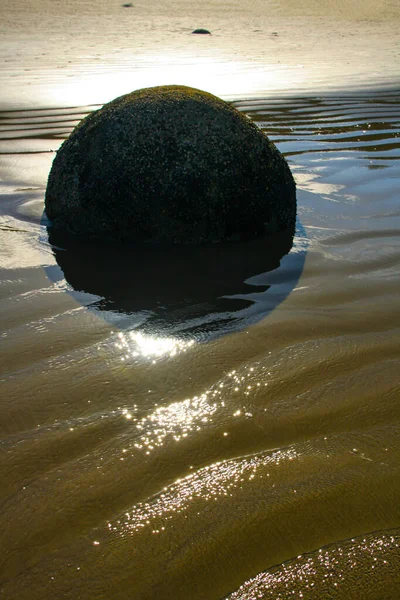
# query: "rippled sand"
{"type": "Point", "coordinates": [149, 457]}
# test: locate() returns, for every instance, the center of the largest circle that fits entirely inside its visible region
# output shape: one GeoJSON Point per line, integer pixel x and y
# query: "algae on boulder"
{"type": "Point", "coordinates": [169, 164]}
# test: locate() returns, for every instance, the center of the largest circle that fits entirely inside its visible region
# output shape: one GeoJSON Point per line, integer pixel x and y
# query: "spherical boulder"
{"type": "Point", "coordinates": [169, 164]}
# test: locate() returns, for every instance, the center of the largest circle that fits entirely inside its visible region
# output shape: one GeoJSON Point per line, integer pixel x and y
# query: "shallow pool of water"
{"type": "Point", "coordinates": [171, 455]}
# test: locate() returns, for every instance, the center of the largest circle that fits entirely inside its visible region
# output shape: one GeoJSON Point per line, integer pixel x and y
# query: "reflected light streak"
{"type": "Point", "coordinates": [135, 344]}
{"type": "Point", "coordinates": [178, 420]}
{"type": "Point", "coordinates": [208, 484]}
{"type": "Point", "coordinates": [175, 421]}
{"type": "Point", "coordinates": [223, 76]}
{"type": "Point", "coordinates": [325, 572]}
{"type": "Point", "coordinates": [310, 182]}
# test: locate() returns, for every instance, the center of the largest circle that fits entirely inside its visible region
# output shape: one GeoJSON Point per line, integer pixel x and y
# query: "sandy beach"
{"type": "Point", "coordinates": [168, 432]}
{"type": "Point", "coordinates": [73, 53]}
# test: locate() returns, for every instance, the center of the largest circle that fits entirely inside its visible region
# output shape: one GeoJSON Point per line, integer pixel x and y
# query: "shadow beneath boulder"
{"type": "Point", "coordinates": [207, 289]}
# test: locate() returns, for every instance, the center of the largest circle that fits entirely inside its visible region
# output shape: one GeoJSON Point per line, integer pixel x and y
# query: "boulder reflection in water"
{"type": "Point", "coordinates": [202, 289]}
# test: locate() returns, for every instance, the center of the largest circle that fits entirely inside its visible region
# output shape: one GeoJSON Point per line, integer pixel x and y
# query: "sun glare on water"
{"type": "Point", "coordinates": [218, 75]}
{"type": "Point", "coordinates": [137, 344]}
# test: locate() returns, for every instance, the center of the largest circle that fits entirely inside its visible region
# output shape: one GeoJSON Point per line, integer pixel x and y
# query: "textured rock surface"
{"type": "Point", "coordinates": [169, 164]}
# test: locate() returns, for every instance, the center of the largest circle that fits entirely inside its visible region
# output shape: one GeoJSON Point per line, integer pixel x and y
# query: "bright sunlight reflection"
{"type": "Point", "coordinates": [225, 402]}
{"type": "Point", "coordinates": [135, 344]}
{"type": "Point", "coordinates": [218, 75]}
{"type": "Point", "coordinates": [216, 482]}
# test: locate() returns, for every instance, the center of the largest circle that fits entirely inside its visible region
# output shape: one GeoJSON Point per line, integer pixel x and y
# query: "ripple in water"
{"type": "Point", "coordinates": [148, 459]}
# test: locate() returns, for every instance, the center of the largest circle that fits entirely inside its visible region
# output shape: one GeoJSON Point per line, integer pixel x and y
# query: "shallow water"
{"type": "Point", "coordinates": [168, 462]}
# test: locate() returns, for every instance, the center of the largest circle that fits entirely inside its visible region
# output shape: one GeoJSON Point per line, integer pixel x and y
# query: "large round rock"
{"type": "Point", "coordinates": [169, 164]}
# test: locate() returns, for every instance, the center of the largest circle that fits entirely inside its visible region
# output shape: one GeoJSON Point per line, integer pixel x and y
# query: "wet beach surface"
{"type": "Point", "coordinates": [149, 451]}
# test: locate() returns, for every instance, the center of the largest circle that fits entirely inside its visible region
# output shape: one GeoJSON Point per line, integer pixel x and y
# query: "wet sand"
{"type": "Point", "coordinates": [149, 451]}
{"type": "Point", "coordinates": [68, 53]}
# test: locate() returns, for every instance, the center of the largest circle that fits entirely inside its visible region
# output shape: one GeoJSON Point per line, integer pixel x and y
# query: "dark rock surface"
{"type": "Point", "coordinates": [169, 164]}
{"type": "Point", "coordinates": [202, 31]}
